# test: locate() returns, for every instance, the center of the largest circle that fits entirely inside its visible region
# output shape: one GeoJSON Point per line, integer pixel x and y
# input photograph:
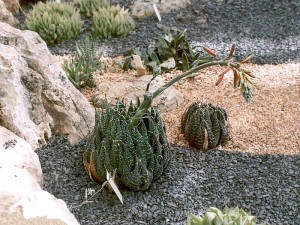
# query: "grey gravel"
{"type": "Point", "coordinates": [267, 186]}
{"type": "Point", "coordinates": [268, 29]}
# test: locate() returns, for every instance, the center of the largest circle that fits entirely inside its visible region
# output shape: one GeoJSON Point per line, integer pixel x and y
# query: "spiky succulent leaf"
{"type": "Point", "coordinates": [139, 154]}
{"type": "Point", "coordinates": [171, 46]}
{"type": "Point", "coordinates": [205, 126]}
{"type": "Point", "coordinates": [88, 7]}
{"type": "Point", "coordinates": [54, 21]}
{"type": "Point", "coordinates": [112, 21]}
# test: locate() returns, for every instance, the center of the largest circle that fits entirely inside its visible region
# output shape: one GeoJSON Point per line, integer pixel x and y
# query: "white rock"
{"type": "Point", "coordinates": [36, 97]}
{"type": "Point", "coordinates": [15, 152]}
{"type": "Point", "coordinates": [5, 15]}
{"type": "Point", "coordinates": [43, 204]}
{"type": "Point", "coordinates": [141, 9]}
{"type": "Point", "coordinates": [22, 201]}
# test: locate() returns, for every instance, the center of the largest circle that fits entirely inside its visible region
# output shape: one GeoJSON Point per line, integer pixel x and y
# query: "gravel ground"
{"type": "Point", "coordinates": [268, 29]}
{"type": "Point", "coordinates": [265, 185]}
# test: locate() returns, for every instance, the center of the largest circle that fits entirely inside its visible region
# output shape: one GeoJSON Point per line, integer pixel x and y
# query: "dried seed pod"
{"type": "Point", "coordinates": [231, 51]}
{"type": "Point", "coordinates": [219, 80]}
{"type": "Point", "coordinates": [247, 59]}
{"type": "Point", "coordinates": [235, 78]}
{"type": "Point", "coordinates": [211, 52]}
{"type": "Point", "coordinates": [249, 74]}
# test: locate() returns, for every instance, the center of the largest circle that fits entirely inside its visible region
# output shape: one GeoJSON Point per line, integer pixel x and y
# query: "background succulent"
{"type": "Point", "coordinates": [88, 7]}
{"type": "Point", "coordinates": [85, 61]}
{"type": "Point", "coordinates": [54, 22]}
{"type": "Point", "coordinates": [112, 21]}
{"type": "Point", "coordinates": [205, 126]}
{"type": "Point", "coordinates": [170, 51]}
{"type": "Point", "coordinates": [214, 216]}
{"type": "Point", "coordinates": [137, 155]}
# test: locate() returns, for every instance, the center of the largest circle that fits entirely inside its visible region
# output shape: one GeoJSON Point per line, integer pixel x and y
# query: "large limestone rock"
{"type": "Point", "coordinates": [6, 15]}
{"type": "Point", "coordinates": [131, 89]}
{"type": "Point", "coordinates": [22, 201]}
{"type": "Point", "coordinates": [142, 9]}
{"type": "Point", "coordinates": [36, 97]}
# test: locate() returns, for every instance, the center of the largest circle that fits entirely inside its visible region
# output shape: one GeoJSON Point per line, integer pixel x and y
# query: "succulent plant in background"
{"type": "Point", "coordinates": [137, 154]}
{"type": "Point", "coordinates": [54, 21]}
{"type": "Point", "coordinates": [130, 141]}
{"type": "Point", "coordinates": [170, 51]}
{"type": "Point", "coordinates": [81, 67]}
{"type": "Point", "coordinates": [88, 7]}
{"type": "Point", "coordinates": [214, 216]}
{"type": "Point", "coordinates": [112, 21]}
{"type": "Point", "coordinates": [205, 126]}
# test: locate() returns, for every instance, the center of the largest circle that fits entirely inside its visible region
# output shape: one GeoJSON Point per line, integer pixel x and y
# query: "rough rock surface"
{"type": "Point", "coordinates": [131, 89]}
{"type": "Point", "coordinates": [12, 5]}
{"type": "Point", "coordinates": [36, 97]}
{"type": "Point", "coordinates": [5, 15]}
{"type": "Point", "coordinates": [142, 9]}
{"type": "Point", "coordinates": [22, 199]}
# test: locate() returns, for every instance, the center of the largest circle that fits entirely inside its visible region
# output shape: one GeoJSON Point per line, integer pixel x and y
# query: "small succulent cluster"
{"type": "Point", "coordinates": [88, 7]}
{"type": "Point", "coordinates": [171, 51]}
{"type": "Point", "coordinates": [136, 155]}
{"type": "Point", "coordinates": [112, 21]}
{"type": "Point", "coordinates": [81, 67]}
{"type": "Point", "coordinates": [205, 126]}
{"type": "Point", "coordinates": [214, 216]}
{"type": "Point", "coordinates": [54, 21]}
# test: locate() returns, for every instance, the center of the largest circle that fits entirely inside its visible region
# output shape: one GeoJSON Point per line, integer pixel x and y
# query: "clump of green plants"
{"type": "Point", "coordinates": [136, 154]}
{"type": "Point", "coordinates": [170, 51]}
{"type": "Point", "coordinates": [54, 21]}
{"type": "Point", "coordinates": [130, 142]}
{"type": "Point", "coordinates": [88, 7]}
{"type": "Point", "coordinates": [112, 21]}
{"type": "Point", "coordinates": [205, 126]}
{"type": "Point", "coordinates": [81, 67]}
{"type": "Point", "coordinates": [214, 216]}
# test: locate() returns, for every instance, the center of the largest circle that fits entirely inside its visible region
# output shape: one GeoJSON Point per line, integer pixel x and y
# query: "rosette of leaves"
{"type": "Point", "coordinates": [54, 21]}
{"type": "Point", "coordinates": [112, 21]}
{"type": "Point", "coordinates": [205, 126]}
{"type": "Point", "coordinates": [81, 67]}
{"type": "Point", "coordinates": [88, 7]}
{"type": "Point", "coordinates": [171, 51]}
{"type": "Point", "coordinates": [214, 216]}
{"type": "Point", "coordinates": [137, 155]}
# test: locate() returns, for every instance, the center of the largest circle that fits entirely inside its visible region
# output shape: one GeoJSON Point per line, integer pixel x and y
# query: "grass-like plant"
{"type": "Point", "coordinates": [54, 21]}
{"type": "Point", "coordinates": [88, 7]}
{"type": "Point", "coordinates": [81, 67]}
{"type": "Point", "coordinates": [112, 21]}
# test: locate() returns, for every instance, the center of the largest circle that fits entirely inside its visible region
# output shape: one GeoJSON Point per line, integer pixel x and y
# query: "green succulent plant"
{"type": "Point", "coordinates": [137, 155]}
{"type": "Point", "coordinates": [112, 21]}
{"type": "Point", "coordinates": [81, 67]}
{"type": "Point", "coordinates": [171, 51]}
{"type": "Point", "coordinates": [131, 142]}
{"type": "Point", "coordinates": [205, 126]}
{"type": "Point", "coordinates": [214, 216]}
{"type": "Point", "coordinates": [88, 7]}
{"type": "Point", "coordinates": [54, 21]}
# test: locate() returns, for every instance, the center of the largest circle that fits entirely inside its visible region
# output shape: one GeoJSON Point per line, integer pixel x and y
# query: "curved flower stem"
{"type": "Point", "coordinates": [148, 97]}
